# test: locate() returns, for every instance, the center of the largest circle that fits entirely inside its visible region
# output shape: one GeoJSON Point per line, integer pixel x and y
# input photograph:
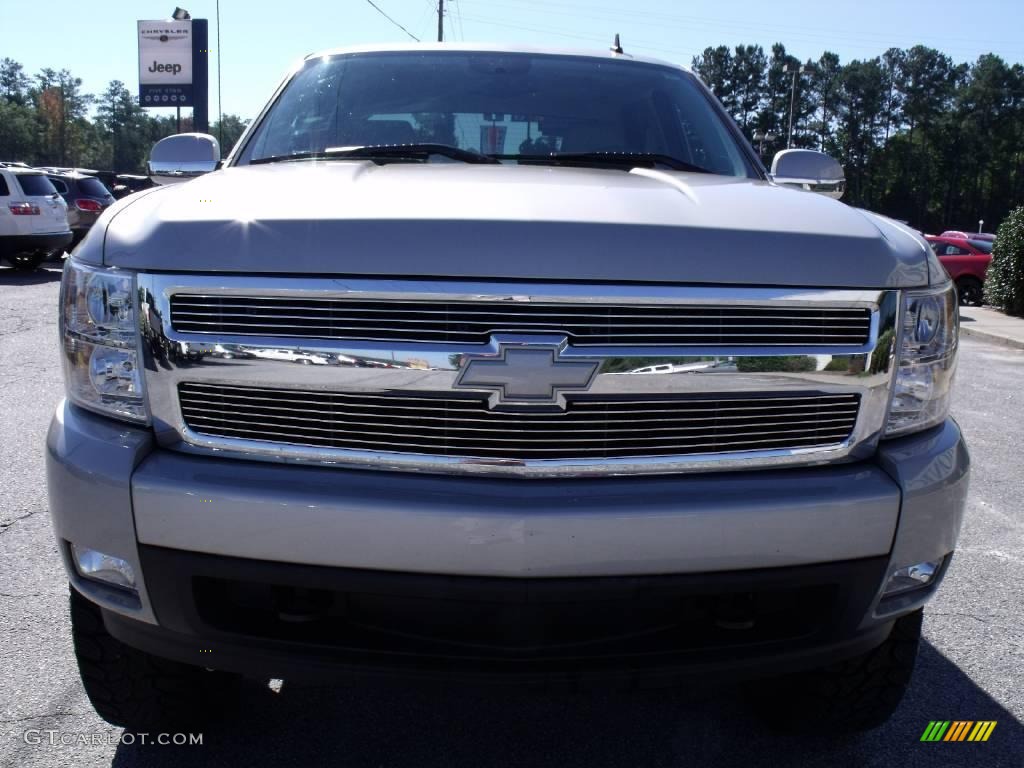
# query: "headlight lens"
{"type": "Point", "coordinates": [926, 361]}
{"type": "Point", "coordinates": [100, 339]}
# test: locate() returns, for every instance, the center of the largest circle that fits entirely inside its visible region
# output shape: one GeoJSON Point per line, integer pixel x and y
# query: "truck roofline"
{"type": "Point", "coordinates": [591, 53]}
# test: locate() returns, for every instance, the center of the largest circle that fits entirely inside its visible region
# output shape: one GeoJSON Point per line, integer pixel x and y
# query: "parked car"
{"type": "Point", "coordinates": [499, 228]}
{"type": "Point", "coordinates": [86, 198]}
{"type": "Point", "coordinates": [967, 263]}
{"type": "Point", "coordinates": [292, 356]}
{"type": "Point", "coordinates": [956, 233]}
{"type": "Point", "coordinates": [128, 183]}
{"type": "Point", "coordinates": [33, 217]}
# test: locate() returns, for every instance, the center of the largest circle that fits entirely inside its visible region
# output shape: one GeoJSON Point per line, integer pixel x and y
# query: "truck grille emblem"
{"type": "Point", "coordinates": [526, 371]}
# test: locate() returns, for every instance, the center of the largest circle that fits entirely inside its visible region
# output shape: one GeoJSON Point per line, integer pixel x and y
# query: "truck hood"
{"type": "Point", "coordinates": [455, 220]}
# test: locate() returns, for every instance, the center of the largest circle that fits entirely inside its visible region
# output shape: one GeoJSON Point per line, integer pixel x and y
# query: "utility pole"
{"type": "Point", "coordinates": [796, 70]}
{"type": "Point", "coordinates": [63, 125]}
{"type": "Point", "coordinates": [761, 137]}
{"type": "Point", "coordinates": [220, 111]}
{"type": "Point", "coordinates": [440, 21]}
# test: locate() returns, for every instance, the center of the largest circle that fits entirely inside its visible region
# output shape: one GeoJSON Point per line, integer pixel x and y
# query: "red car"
{"type": "Point", "coordinates": [966, 261]}
{"type": "Point", "coordinates": [986, 236]}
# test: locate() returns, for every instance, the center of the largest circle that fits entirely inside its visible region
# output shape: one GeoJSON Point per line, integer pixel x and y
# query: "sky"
{"type": "Point", "coordinates": [261, 40]}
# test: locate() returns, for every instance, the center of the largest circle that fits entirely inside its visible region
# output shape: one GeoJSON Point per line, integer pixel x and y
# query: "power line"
{"type": "Point", "coordinates": [462, 32]}
{"type": "Point", "coordinates": [640, 45]}
{"type": "Point", "coordinates": [862, 41]}
{"type": "Point", "coordinates": [377, 8]}
{"type": "Point", "coordinates": [458, 20]}
{"type": "Point", "coordinates": [426, 17]}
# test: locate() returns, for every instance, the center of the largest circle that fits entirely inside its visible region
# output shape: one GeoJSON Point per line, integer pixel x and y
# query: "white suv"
{"type": "Point", "coordinates": [33, 217]}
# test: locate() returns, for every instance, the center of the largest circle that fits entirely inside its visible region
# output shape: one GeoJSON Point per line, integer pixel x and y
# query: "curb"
{"type": "Point", "coordinates": [994, 338]}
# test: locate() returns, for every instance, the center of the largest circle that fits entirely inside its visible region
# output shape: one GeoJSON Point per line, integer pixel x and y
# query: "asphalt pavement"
{"type": "Point", "coordinates": [971, 664]}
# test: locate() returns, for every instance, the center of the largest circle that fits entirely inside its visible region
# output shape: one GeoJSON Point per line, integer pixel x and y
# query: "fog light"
{"type": "Point", "coordinates": [911, 577]}
{"type": "Point", "coordinates": [101, 567]}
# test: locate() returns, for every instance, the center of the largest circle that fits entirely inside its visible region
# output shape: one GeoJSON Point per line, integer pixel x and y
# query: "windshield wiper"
{"type": "Point", "coordinates": [623, 159]}
{"type": "Point", "coordinates": [384, 152]}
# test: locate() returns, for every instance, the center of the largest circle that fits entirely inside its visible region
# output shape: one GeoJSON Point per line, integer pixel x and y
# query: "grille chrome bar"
{"type": "Point", "coordinates": [396, 424]}
{"type": "Point", "coordinates": [474, 322]}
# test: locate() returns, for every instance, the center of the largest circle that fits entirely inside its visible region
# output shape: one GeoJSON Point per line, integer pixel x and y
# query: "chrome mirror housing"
{"type": "Point", "coordinates": [182, 157]}
{"type": "Point", "coordinates": [810, 170]}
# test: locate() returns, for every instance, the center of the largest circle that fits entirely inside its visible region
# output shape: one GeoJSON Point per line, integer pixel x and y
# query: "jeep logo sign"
{"type": "Point", "coordinates": [172, 68]}
{"type": "Point", "coordinates": [165, 53]}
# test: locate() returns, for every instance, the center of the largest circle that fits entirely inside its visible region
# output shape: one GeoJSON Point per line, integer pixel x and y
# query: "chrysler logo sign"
{"type": "Point", "coordinates": [526, 370]}
{"type": "Point", "coordinates": [165, 53]}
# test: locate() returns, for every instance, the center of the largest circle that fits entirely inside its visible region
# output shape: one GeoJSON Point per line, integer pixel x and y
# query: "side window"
{"type": "Point", "coordinates": [62, 188]}
{"type": "Point", "coordinates": [937, 248]}
{"type": "Point", "coordinates": [4, 191]}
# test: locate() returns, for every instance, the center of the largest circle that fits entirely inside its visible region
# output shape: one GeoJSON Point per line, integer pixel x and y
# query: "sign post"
{"type": "Point", "coordinates": [174, 67]}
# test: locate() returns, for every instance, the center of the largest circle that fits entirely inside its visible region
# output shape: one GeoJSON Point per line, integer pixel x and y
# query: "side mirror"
{"type": "Point", "coordinates": [810, 170]}
{"type": "Point", "coordinates": [182, 157]}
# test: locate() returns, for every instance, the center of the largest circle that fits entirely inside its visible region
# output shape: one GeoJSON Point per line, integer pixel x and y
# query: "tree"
{"type": "Point", "coordinates": [123, 122]}
{"type": "Point", "coordinates": [774, 115]}
{"type": "Point", "coordinates": [824, 91]}
{"type": "Point", "coordinates": [982, 137]}
{"type": "Point", "coordinates": [893, 68]}
{"type": "Point", "coordinates": [234, 126]}
{"type": "Point", "coordinates": [1004, 287]}
{"type": "Point", "coordinates": [774, 112]}
{"type": "Point", "coordinates": [17, 132]}
{"type": "Point", "coordinates": [861, 96]}
{"type": "Point", "coordinates": [715, 68]}
{"type": "Point", "coordinates": [927, 79]}
{"type": "Point", "coordinates": [748, 78]}
{"type": "Point", "coordinates": [14, 82]}
{"type": "Point", "coordinates": [62, 109]}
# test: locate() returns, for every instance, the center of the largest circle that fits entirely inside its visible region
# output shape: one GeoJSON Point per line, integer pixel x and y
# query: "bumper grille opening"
{"type": "Point", "coordinates": [451, 426]}
{"type": "Point", "coordinates": [474, 322]}
{"type": "Point", "coordinates": [616, 621]}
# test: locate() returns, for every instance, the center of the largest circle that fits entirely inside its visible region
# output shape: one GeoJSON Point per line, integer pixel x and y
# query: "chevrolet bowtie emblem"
{"type": "Point", "coordinates": [526, 371]}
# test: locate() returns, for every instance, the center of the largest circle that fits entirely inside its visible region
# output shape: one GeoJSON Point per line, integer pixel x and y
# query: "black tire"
{"type": "Point", "coordinates": [851, 696]}
{"type": "Point", "coordinates": [26, 262]}
{"type": "Point", "coordinates": [137, 690]}
{"type": "Point", "coordinates": [970, 291]}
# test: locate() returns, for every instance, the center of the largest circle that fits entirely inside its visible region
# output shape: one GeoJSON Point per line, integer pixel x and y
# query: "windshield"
{"type": "Point", "coordinates": [507, 105]}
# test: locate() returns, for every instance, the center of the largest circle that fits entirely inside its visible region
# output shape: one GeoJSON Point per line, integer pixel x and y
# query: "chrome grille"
{"type": "Point", "coordinates": [586, 324]}
{"type": "Point", "coordinates": [591, 428]}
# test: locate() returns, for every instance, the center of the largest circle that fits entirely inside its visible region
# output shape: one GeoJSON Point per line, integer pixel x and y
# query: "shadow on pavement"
{"type": "Point", "coordinates": [367, 724]}
{"type": "Point", "coordinates": [49, 272]}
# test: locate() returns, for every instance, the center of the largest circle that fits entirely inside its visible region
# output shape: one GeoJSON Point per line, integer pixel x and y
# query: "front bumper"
{"type": "Point", "coordinates": [282, 620]}
{"type": "Point", "coordinates": [659, 553]}
{"type": "Point", "coordinates": [15, 244]}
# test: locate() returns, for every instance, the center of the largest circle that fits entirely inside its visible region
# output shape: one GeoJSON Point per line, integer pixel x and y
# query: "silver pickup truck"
{"type": "Point", "coordinates": [504, 364]}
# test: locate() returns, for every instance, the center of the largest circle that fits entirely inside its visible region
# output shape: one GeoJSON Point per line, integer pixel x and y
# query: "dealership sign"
{"type": "Point", "coordinates": [165, 63]}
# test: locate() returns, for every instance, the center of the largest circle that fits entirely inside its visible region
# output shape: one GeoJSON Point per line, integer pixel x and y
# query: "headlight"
{"type": "Point", "coordinates": [100, 339]}
{"type": "Point", "coordinates": [926, 361]}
